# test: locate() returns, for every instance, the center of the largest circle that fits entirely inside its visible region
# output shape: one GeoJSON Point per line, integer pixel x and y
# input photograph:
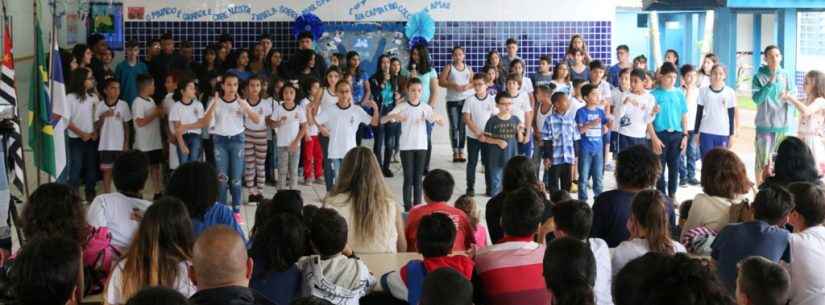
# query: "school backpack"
{"type": "Point", "coordinates": [99, 257]}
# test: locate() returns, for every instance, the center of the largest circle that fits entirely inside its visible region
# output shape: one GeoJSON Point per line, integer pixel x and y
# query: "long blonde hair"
{"type": "Point", "coordinates": [361, 179]}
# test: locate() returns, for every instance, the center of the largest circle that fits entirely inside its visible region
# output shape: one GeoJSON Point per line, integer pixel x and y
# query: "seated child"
{"type": "Point", "coordinates": [467, 204]}
{"type": "Point", "coordinates": [446, 286]}
{"type": "Point", "coordinates": [278, 244]}
{"type": "Point", "coordinates": [762, 282]}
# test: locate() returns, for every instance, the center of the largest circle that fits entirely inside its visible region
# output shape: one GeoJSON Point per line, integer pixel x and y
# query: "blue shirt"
{"type": "Point", "coordinates": [425, 82]}
{"type": "Point", "coordinates": [611, 210]}
{"type": "Point", "coordinates": [560, 130]}
{"type": "Point", "coordinates": [591, 140]}
{"type": "Point", "coordinates": [672, 107]}
{"type": "Point", "coordinates": [218, 214]}
{"type": "Point", "coordinates": [127, 75]}
{"type": "Point", "coordinates": [278, 287]}
{"type": "Point", "coordinates": [754, 238]}
{"type": "Point", "coordinates": [613, 74]}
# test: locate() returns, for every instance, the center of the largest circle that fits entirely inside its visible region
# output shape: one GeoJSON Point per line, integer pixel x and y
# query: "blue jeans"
{"type": "Point", "coordinates": [458, 129]}
{"type": "Point", "coordinates": [493, 171]}
{"type": "Point", "coordinates": [670, 162]}
{"type": "Point", "coordinates": [687, 160]}
{"type": "Point", "coordinates": [334, 168]}
{"type": "Point", "coordinates": [229, 160]}
{"type": "Point", "coordinates": [385, 143]}
{"type": "Point", "coordinates": [329, 174]}
{"type": "Point", "coordinates": [193, 142]}
{"type": "Point", "coordinates": [82, 165]}
{"type": "Point", "coordinates": [591, 165]}
{"type": "Point", "coordinates": [474, 149]}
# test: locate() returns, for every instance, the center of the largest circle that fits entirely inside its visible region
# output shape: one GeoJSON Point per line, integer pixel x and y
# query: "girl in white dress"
{"type": "Point", "coordinates": [812, 121]}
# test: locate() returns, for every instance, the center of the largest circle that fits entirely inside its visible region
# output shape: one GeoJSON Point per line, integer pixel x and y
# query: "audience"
{"type": "Point", "coordinates": [436, 234]}
{"type": "Point", "coordinates": [520, 171]}
{"type": "Point", "coordinates": [762, 282]}
{"type": "Point", "coordinates": [793, 162]}
{"type": "Point", "coordinates": [331, 275]}
{"type": "Point", "coordinates": [158, 256]}
{"type": "Point", "coordinates": [764, 236]}
{"type": "Point", "coordinates": [438, 188]}
{"type": "Point", "coordinates": [724, 181]}
{"type": "Point", "coordinates": [807, 244]}
{"type": "Point", "coordinates": [278, 245]}
{"type": "Point", "coordinates": [637, 169]}
{"type": "Point", "coordinates": [511, 272]}
{"type": "Point", "coordinates": [362, 197]}
{"type": "Point", "coordinates": [446, 286]}
{"type": "Point", "coordinates": [221, 270]}
{"type": "Point", "coordinates": [648, 226]}
{"type": "Point", "coordinates": [158, 296]}
{"type": "Point", "coordinates": [468, 205]}
{"type": "Point", "coordinates": [570, 272]}
{"type": "Point", "coordinates": [48, 270]}
{"type": "Point", "coordinates": [573, 219]}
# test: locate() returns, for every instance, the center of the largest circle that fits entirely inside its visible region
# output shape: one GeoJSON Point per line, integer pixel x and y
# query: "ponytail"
{"type": "Point", "coordinates": [649, 211]}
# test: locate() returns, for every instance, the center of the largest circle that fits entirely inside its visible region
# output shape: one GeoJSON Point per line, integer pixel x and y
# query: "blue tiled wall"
{"type": "Point", "coordinates": [477, 37]}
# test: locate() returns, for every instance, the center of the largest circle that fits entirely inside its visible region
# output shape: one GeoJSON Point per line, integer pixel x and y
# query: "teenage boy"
{"type": "Point", "coordinates": [438, 188]}
{"type": "Point", "coordinates": [544, 74]}
{"type": "Point", "coordinates": [146, 115]}
{"type": "Point", "coordinates": [511, 272]}
{"type": "Point", "coordinates": [687, 164]}
{"type": "Point", "coordinates": [511, 45]}
{"type": "Point", "coordinates": [128, 70]}
{"type": "Point", "coordinates": [558, 151]}
{"type": "Point", "coordinates": [773, 116]}
{"type": "Point", "coordinates": [634, 116]}
{"type": "Point", "coordinates": [762, 282]}
{"type": "Point", "coordinates": [807, 244]}
{"type": "Point", "coordinates": [435, 234]}
{"type": "Point", "coordinates": [477, 110]}
{"type": "Point", "coordinates": [161, 65]}
{"type": "Point", "coordinates": [446, 286]}
{"type": "Point", "coordinates": [623, 55]}
{"type": "Point", "coordinates": [501, 134]}
{"type": "Point", "coordinates": [763, 236]}
{"type": "Point", "coordinates": [592, 124]}
{"type": "Point", "coordinates": [670, 125]}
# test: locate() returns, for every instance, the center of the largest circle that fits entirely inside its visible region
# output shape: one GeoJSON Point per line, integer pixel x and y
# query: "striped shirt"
{"type": "Point", "coordinates": [560, 130]}
{"type": "Point", "coordinates": [511, 273]}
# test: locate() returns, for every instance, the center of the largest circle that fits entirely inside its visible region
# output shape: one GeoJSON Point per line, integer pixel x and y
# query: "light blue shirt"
{"type": "Point", "coordinates": [672, 107]}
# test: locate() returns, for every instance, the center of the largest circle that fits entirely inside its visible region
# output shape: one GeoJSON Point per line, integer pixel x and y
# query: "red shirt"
{"type": "Point", "coordinates": [464, 237]}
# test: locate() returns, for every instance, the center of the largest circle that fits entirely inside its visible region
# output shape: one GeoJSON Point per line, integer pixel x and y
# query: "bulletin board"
{"type": "Point", "coordinates": [370, 40]}
{"type": "Point", "coordinates": [106, 18]}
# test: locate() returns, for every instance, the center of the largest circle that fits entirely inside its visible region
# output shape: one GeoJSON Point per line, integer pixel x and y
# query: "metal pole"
{"type": "Point", "coordinates": [39, 150]}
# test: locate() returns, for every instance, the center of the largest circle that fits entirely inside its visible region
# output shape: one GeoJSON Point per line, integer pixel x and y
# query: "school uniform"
{"type": "Point", "coordinates": [112, 132]}
{"type": "Point", "coordinates": [480, 110]}
{"type": "Point", "coordinates": [413, 147]}
{"type": "Point", "coordinates": [82, 165]}
{"type": "Point", "coordinates": [184, 114]}
{"type": "Point", "coordinates": [227, 130]}
{"type": "Point", "coordinates": [291, 121]}
{"type": "Point", "coordinates": [255, 148]}
{"type": "Point", "coordinates": [342, 123]}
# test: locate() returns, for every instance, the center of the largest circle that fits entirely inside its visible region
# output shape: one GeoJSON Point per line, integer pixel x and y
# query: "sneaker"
{"type": "Point", "coordinates": [238, 218]}
{"type": "Point", "coordinates": [694, 182]}
{"type": "Point", "coordinates": [387, 173]}
{"type": "Point", "coordinates": [574, 188]}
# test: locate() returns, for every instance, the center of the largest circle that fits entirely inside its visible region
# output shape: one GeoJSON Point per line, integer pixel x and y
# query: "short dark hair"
{"type": "Point", "coordinates": [686, 68]}
{"type": "Point", "coordinates": [445, 286]}
{"type": "Point", "coordinates": [657, 278]}
{"type": "Point", "coordinates": [569, 270]}
{"type": "Point", "coordinates": [544, 89]}
{"type": "Point", "coordinates": [769, 48]}
{"type": "Point", "coordinates": [55, 209]}
{"type": "Point", "coordinates": [638, 73]}
{"type": "Point", "coordinates": [637, 167]}
{"type": "Point", "coordinates": [47, 271]}
{"type": "Point", "coordinates": [132, 44]}
{"type": "Point", "coordinates": [596, 65]}
{"type": "Point", "coordinates": [668, 68]}
{"type": "Point", "coordinates": [510, 41]}
{"type": "Point", "coordinates": [545, 58]}
{"type": "Point", "coordinates": [304, 35]}
{"type": "Point", "coordinates": [288, 202]}
{"type": "Point", "coordinates": [435, 235]}
{"type": "Point", "coordinates": [501, 95]}
{"type": "Point", "coordinates": [772, 203]}
{"type": "Point", "coordinates": [328, 232]}
{"type": "Point", "coordinates": [144, 80]}
{"type": "Point", "coordinates": [414, 81]}
{"type": "Point", "coordinates": [158, 295]}
{"type": "Point", "coordinates": [763, 282]}
{"type": "Point", "coordinates": [193, 176]}
{"type": "Point", "coordinates": [574, 217]}
{"type": "Point", "coordinates": [265, 36]}
{"type": "Point", "coordinates": [93, 39]}
{"type": "Point", "coordinates": [166, 36]}
{"type": "Point", "coordinates": [559, 196]}
{"type": "Point", "coordinates": [587, 89]}
{"type": "Point", "coordinates": [810, 202]}
{"type": "Point", "coordinates": [438, 185]}
{"type": "Point", "coordinates": [279, 243]}
{"type": "Point", "coordinates": [130, 171]}
{"type": "Point", "coordinates": [480, 76]}
{"type": "Point", "coordinates": [513, 77]}
{"type": "Point", "coordinates": [623, 47]}
{"type": "Point", "coordinates": [522, 213]}
{"type": "Point", "coordinates": [557, 96]}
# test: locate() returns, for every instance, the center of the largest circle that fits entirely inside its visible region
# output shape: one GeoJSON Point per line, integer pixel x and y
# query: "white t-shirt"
{"type": "Point", "coordinates": [807, 255]}
{"type": "Point", "coordinates": [343, 125]}
{"type": "Point", "coordinates": [114, 211]}
{"type": "Point", "coordinates": [113, 291]}
{"type": "Point", "coordinates": [264, 110]}
{"type": "Point", "coordinates": [521, 105]}
{"type": "Point", "coordinates": [574, 105]}
{"type": "Point", "coordinates": [604, 275]}
{"type": "Point", "coordinates": [81, 113]}
{"type": "Point", "coordinates": [633, 119]}
{"type": "Point", "coordinates": [147, 138]}
{"type": "Point", "coordinates": [632, 249]}
{"type": "Point", "coordinates": [172, 153]}
{"type": "Point", "coordinates": [112, 133]}
{"type": "Point", "coordinates": [288, 129]}
{"type": "Point", "coordinates": [605, 90]}
{"type": "Point", "coordinates": [414, 126]}
{"type": "Point", "coordinates": [328, 99]}
{"type": "Point", "coordinates": [187, 114]}
{"type": "Point", "coordinates": [312, 129]}
{"type": "Point", "coordinates": [480, 111]}
{"type": "Point", "coordinates": [228, 119]}
{"type": "Point", "coordinates": [526, 85]}
{"type": "Point", "coordinates": [691, 98]}
{"type": "Point", "coordinates": [715, 107]}
{"type": "Point", "coordinates": [616, 99]}
{"type": "Point", "coordinates": [565, 87]}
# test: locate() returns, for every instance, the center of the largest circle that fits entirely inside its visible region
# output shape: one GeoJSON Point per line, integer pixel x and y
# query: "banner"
{"type": "Point", "coordinates": [369, 10]}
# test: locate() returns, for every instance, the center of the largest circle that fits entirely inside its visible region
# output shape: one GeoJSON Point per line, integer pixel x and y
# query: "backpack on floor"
{"type": "Point", "coordinates": [99, 257]}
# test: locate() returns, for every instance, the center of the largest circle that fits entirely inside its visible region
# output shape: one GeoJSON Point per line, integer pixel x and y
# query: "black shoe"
{"type": "Point", "coordinates": [683, 183]}
{"type": "Point", "coordinates": [387, 173]}
{"type": "Point", "coordinates": [694, 182]}
{"type": "Point", "coordinates": [157, 196]}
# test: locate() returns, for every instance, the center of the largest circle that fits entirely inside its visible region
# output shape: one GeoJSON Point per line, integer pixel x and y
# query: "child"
{"type": "Point", "coordinates": [435, 235]}
{"type": "Point", "coordinates": [574, 219]}
{"type": "Point", "coordinates": [241, 66]}
{"type": "Point", "coordinates": [623, 55]}
{"type": "Point", "coordinates": [592, 123]}
{"type": "Point", "coordinates": [522, 107]}
{"type": "Point", "coordinates": [617, 96]}
{"type": "Point", "coordinates": [82, 145]}
{"type": "Point", "coordinates": [773, 117]}
{"type": "Point", "coordinates": [147, 115]}
{"type": "Point", "coordinates": [716, 118]}
{"type": "Point", "coordinates": [501, 134]}
{"type": "Point", "coordinates": [687, 165]}
{"type": "Point", "coordinates": [313, 159]}
{"type": "Point", "coordinates": [341, 122]}
{"type": "Point", "coordinates": [544, 74]}
{"type": "Point", "coordinates": [112, 122]}
{"type": "Point", "coordinates": [413, 145]}
{"type": "Point", "coordinates": [640, 62]}
{"type": "Point", "coordinates": [558, 152]}
{"type": "Point", "coordinates": [708, 62]}
{"type": "Point", "coordinates": [477, 110]}
{"type": "Point", "coordinates": [446, 286]}
{"type": "Point", "coordinates": [360, 90]}
{"type": "Point", "coordinates": [518, 67]}
{"type": "Point", "coordinates": [634, 112]}
{"type": "Point", "coordinates": [511, 46]}
{"type": "Point", "coordinates": [596, 78]}
{"type": "Point", "coordinates": [649, 230]}
{"type": "Point", "coordinates": [764, 236]}
{"type": "Point", "coordinates": [806, 243]}
{"type": "Point", "coordinates": [438, 188]}
{"type": "Point", "coordinates": [492, 76]}
{"type": "Point", "coordinates": [170, 85]}
{"type": "Point", "coordinates": [467, 204]}
{"type": "Point", "coordinates": [330, 275]}
{"type": "Point", "coordinates": [186, 119]}
{"type": "Point", "coordinates": [544, 109]}
{"type": "Point", "coordinates": [277, 245]}
{"type": "Point", "coordinates": [760, 281]}
{"type": "Point", "coordinates": [128, 70]}
{"type": "Point", "coordinates": [290, 122]}
{"type": "Point", "coordinates": [227, 113]}
{"type": "Point", "coordinates": [120, 211]}
{"type": "Point", "coordinates": [812, 121]}
{"type": "Point", "coordinates": [578, 67]}
{"type": "Point", "coordinates": [255, 140]}
{"type": "Point", "coordinates": [670, 125]}
{"type": "Point", "coordinates": [561, 78]}
{"type": "Point", "coordinates": [456, 77]}
{"type": "Point", "coordinates": [328, 100]}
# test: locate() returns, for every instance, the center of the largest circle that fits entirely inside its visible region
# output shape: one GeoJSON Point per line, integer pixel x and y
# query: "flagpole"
{"type": "Point", "coordinates": [39, 150]}
{"type": "Point", "coordinates": [10, 28]}
{"type": "Point", "coordinates": [53, 38]}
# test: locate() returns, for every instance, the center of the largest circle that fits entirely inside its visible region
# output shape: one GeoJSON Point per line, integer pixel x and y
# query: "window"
{"type": "Point", "coordinates": [811, 39]}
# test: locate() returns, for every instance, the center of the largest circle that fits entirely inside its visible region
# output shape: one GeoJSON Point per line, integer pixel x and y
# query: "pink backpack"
{"type": "Point", "coordinates": [99, 257]}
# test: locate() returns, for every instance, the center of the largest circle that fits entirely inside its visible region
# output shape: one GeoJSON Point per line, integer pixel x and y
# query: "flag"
{"type": "Point", "coordinates": [46, 136]}
{"type": "Point", "coordinates": [8, 104]}
{"type": "Point", "coordinates": [8, 95]}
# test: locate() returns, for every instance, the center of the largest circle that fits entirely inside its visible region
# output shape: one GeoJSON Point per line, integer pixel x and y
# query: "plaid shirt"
{"type": "Point", "coordinates": [559, 130]}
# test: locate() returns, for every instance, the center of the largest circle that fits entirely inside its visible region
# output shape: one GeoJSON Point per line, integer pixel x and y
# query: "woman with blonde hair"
{"type": "Point", "coordinates": [362, 197]}
{"type": "Point", "coordinates": [158, 256]}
